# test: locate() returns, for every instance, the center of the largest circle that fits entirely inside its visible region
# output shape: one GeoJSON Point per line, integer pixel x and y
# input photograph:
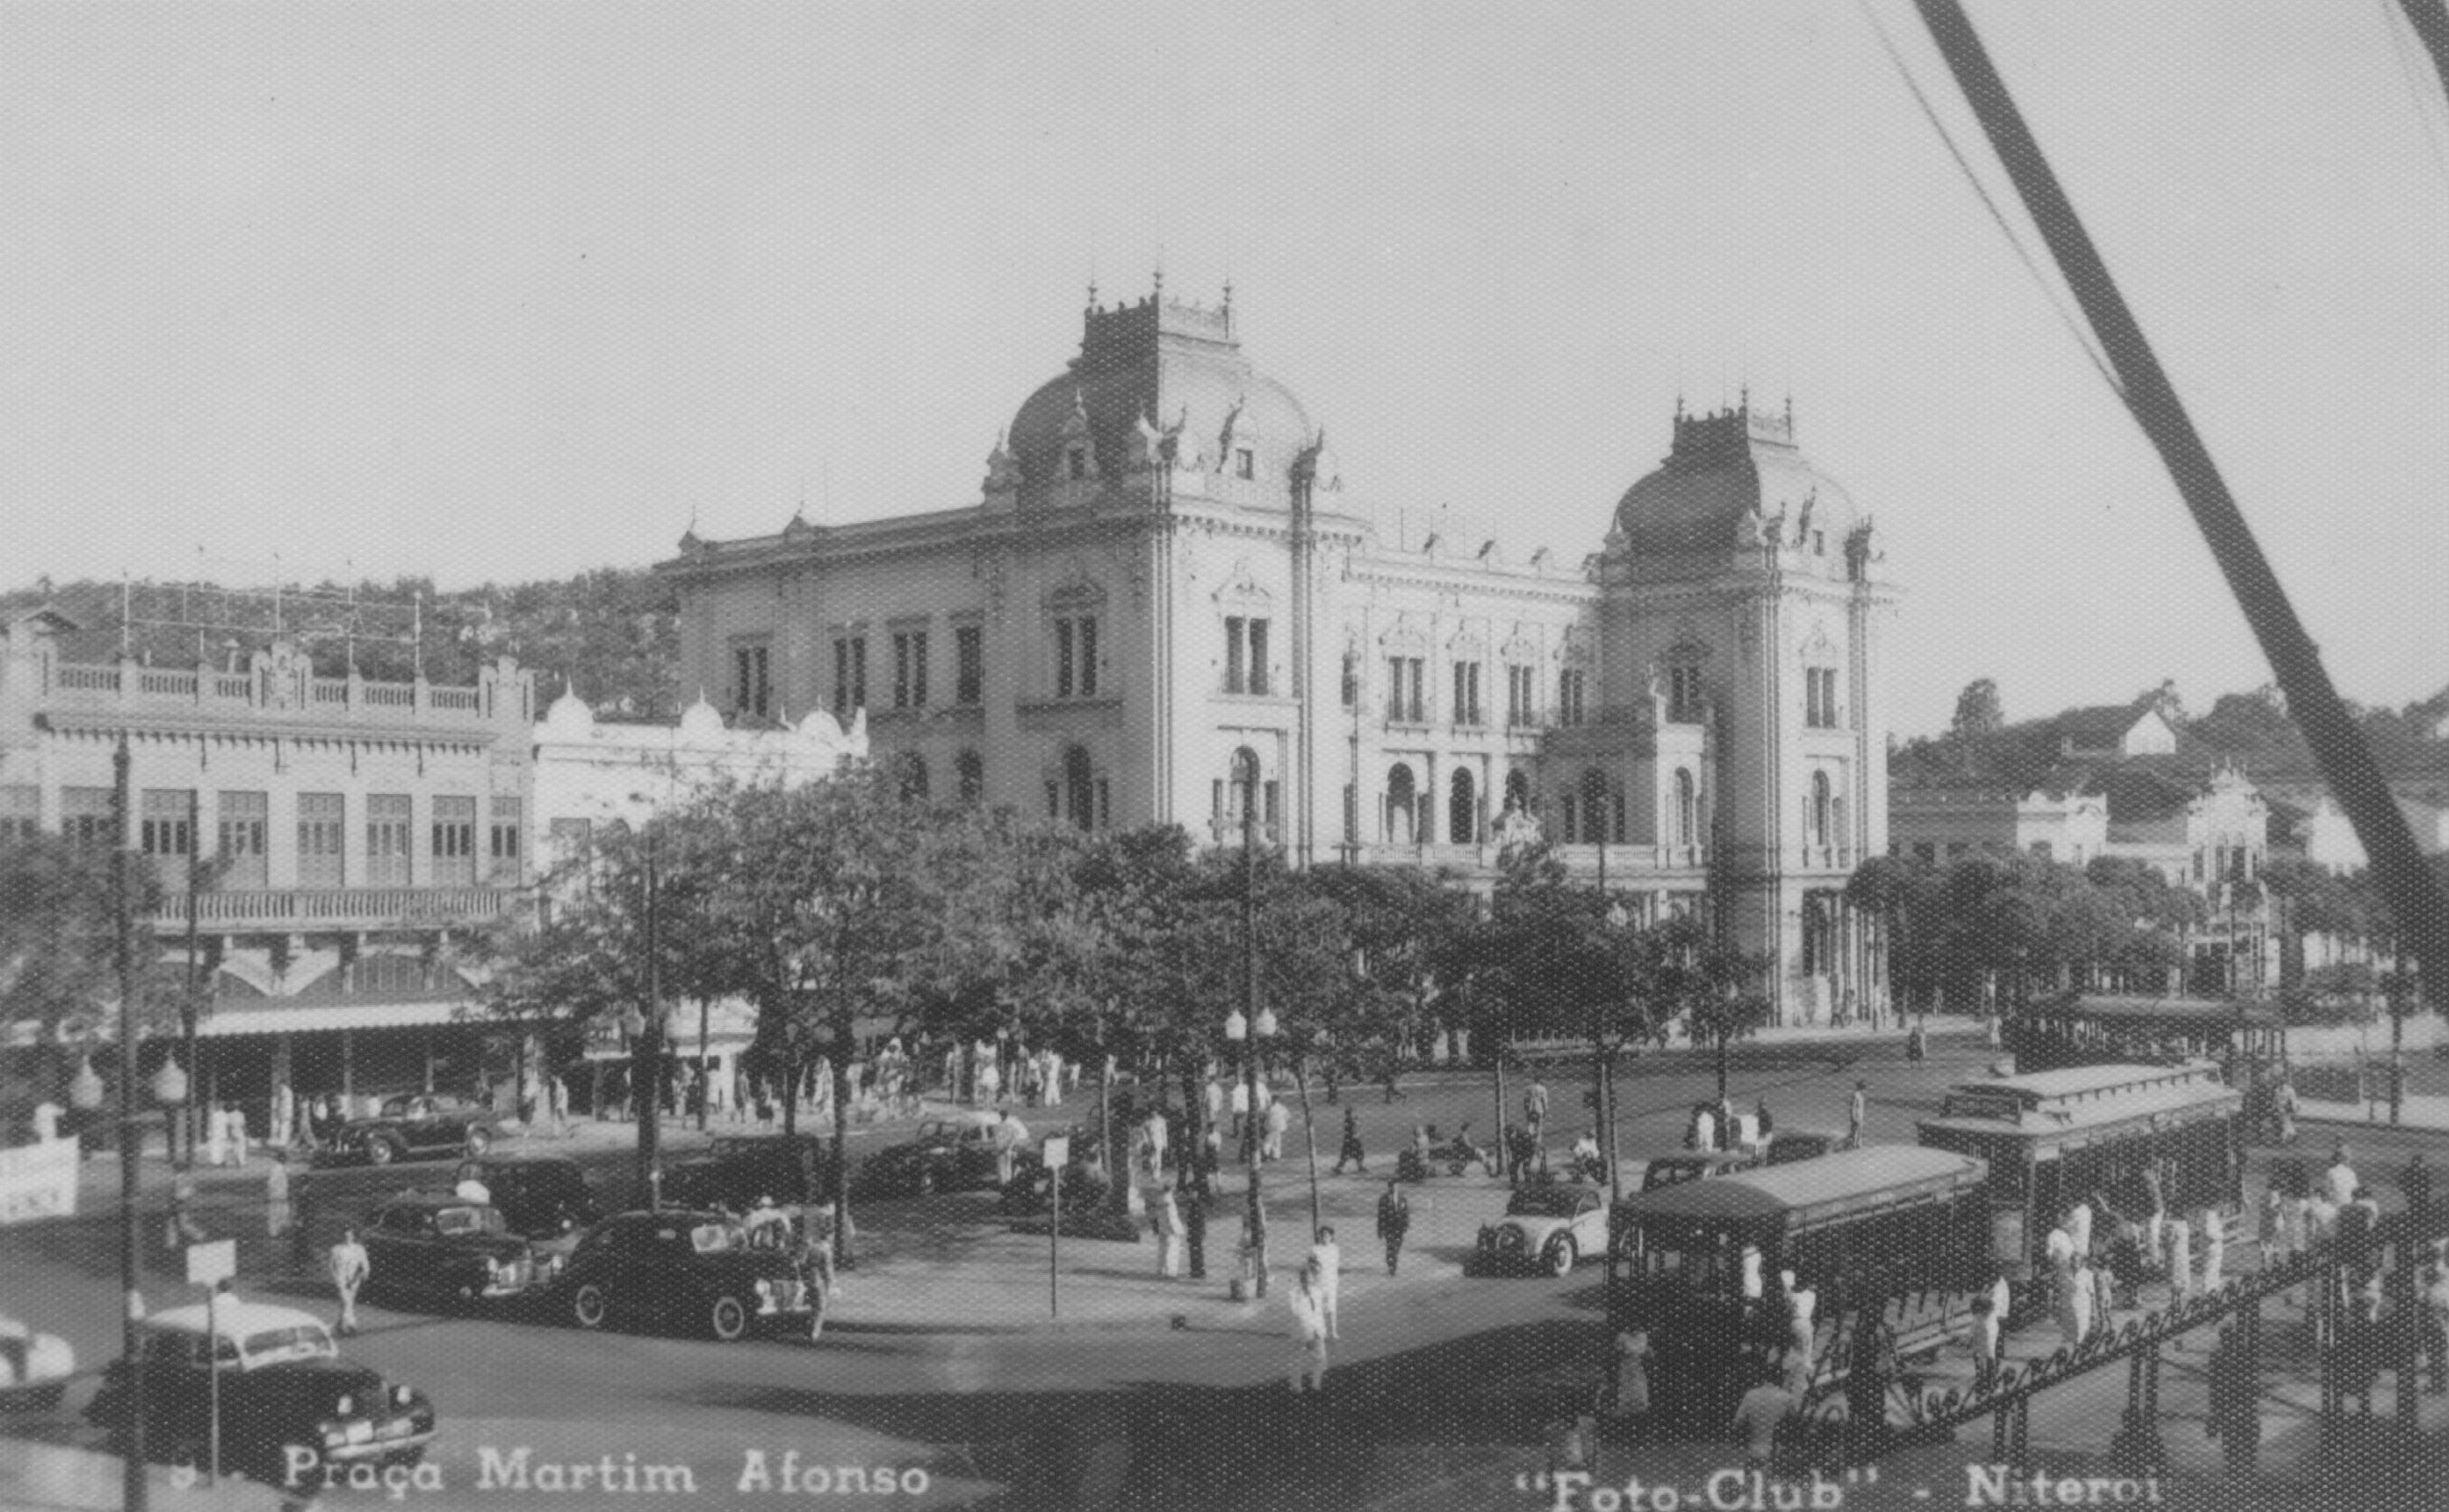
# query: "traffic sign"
{"type": "Point", "coordinates": [214, 1261]}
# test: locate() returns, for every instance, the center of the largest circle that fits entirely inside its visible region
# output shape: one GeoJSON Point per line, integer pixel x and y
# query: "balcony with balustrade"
{"type": "Point", "coordinates": [300, 911]}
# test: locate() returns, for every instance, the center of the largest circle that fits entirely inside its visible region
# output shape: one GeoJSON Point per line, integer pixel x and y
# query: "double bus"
{"type": "Point", "coordinates": [1700, 1262]}
{"type": "Point", "coordinates": [2097, 1133]}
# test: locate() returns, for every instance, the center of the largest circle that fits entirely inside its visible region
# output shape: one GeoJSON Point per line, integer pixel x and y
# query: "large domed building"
{"type": "Point", "coordinates": [1163, 605]}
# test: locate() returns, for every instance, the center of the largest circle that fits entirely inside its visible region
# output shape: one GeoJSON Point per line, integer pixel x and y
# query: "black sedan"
{"type": "Point", "coordinates": [740, 1171]}
{"type": "Point", "coordinates": [413, 1126]}
{"type": "Point", "coordinates": [435, 1247]}
{"type": "Point", "coordinates": [292, 1410]}
{"type": "Point", "coordinates": [676, 1266]}
{"type": "Point", "coordinates": [948, 1155]}
{"type": "Point", "coordinates": [542, 1197]}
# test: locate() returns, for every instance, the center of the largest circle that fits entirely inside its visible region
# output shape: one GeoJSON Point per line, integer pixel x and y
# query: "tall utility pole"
{"type": "Point", "coordinates": [1249, 1015]}
{"type": "Point", "coordinates": [131, 1134]}
{"type": "Point", "coordinates": [646, 1064]}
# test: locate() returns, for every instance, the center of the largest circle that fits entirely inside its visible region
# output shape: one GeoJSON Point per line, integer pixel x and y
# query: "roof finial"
{"type": "Point", "coordinates": [1744, 403]}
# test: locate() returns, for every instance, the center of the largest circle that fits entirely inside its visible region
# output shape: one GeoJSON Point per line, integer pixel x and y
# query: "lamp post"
{"type": "Point", "coordinates": [645, 1030]}
{"type": "Point", "coordinates": [1251, 1023]}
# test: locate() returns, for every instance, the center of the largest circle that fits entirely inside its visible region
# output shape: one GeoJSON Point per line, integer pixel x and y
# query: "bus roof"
{"type": "Point", "coordinates": [2077, 1123]}
{"type": "Point", "coordinates": [2076, 1084]}
{"type": "Point", "coordinates": [1813, 1191]}
{"type": "Point", "coordinates": [2189, 1012]}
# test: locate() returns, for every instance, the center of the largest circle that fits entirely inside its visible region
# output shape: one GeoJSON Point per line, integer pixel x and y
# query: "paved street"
{"type": "Point", "coordinates": [941, 1357]}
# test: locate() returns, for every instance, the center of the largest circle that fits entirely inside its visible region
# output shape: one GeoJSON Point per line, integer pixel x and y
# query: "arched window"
{"type": "Point", "coordinates": [1517, 790]}
{"type": "Point", "coordinates": [971, 774]}
{"type": "Point", "coordinates": [1243, 793]}
{"type": "Point", "coordinates": [1403, 804]}
{"type": "Point", "coordinates": [1463, 809]}
{"type": "Point", "coordinates": [1687, 807]}
{"type": "Point", "coordinates": [1079, 788]}
{"type": "Point", "coordinates": [910, 775]}
{"type": "Point", "coordinates": [1816, 821]}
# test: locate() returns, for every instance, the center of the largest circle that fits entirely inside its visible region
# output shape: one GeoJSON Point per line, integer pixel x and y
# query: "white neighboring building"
{"type": "Point", "coordinates": [589, 772]}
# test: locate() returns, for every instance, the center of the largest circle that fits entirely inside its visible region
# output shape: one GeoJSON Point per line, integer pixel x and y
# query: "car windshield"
{"type": "Point", "coordinates": [302, 1341]}
{"type": "Point", "coordinates": [468, 1221]}
{"type": "Point", "coordinates": [1550, 1204]}
{"type": "Point", "coordinates": [712, 1239]}
{"type": "Point", "coordinates": [400, 1106]}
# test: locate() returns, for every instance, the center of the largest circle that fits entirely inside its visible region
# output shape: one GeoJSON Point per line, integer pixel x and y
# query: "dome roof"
{"type": "Point", "coordinates": [1721, 468]}
{"type": "Point", "coordinates": [701, 719]}
{"type": "Point", "coordinates": [569, 715]}
{"type": "Point", "coordinates": [1159, 374]}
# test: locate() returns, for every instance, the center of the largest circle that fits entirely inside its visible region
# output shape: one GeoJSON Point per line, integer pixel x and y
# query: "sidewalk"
{"type": "Point", "coordinates": [53, 1477]}
{"type": "Point", "coordinates": [2417, 1110]}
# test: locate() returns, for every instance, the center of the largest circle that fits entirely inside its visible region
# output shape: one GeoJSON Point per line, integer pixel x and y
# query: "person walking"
{"type": "Point", "coordinates": [2287, 1110]}
{"type": "Point", "coordinates": [1763, 1411]}
{"type": "Point", "coordinates": [2079, 1228]}
{"type": "Point", "coordinates": [1988, 1336]}
{"type": "Point", "coordinates": [284, 1115]}
{"type": "Point", "coordinates": [1241, 1104]}
{"type": "Point", "coordinates": [2180, 1237]}
{"type": "Point", "coordinates": [1350, 1155]}
{"type": "Point", "coordinates": [1535, 1107]}
{"type": "Point", "coordinates": [1705, 1128]}
{"type": "Point", "coordinates": [1327, 1256]}
{"type": "Point", "coordinates": [1857, 1109]}
{"type": "Point", "coordinates": [349, 1267]}
{"type": "Point", "coordinates": [1276, 1120]}
{"type": "Point", "coordinates": [277, 1216]}
{"type": "Point", "coordinates": [2340, 1180]}
{"type": "Point", "coordinates": [813, 1256]}
{"type": "Point", "coordinates": [1158, 1135]}
{"type": "Point", "coordinates": [1009, 1135]}
{"type": "Point", "coordinates": [1309, 1332]}
{"type": "Point", "coordinates": [2270, 1231]}
{"type": "Point", "coordinates": [2215, 1250]}
{"type": "Point", "coordinates": [1394, 1221]}
{"type": "Point", "coordinates": [2414, 1184]}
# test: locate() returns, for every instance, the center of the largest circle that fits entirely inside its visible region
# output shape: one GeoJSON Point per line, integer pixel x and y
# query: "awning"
{"type": "Point", "coordinates": [275, 1016]}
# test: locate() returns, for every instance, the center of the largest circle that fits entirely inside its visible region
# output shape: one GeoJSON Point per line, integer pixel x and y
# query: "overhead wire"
{"type": "Point", "coordinates": [2015, 242]}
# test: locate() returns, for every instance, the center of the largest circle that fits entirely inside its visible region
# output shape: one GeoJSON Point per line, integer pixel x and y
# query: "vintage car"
{"type": "Point", "coordinates": [291, 1407]}
{"type": "Point", "coordinates": [947, 1154]}
{"type": "Point", "coordinates": [410, 1126]}
{"type": "Point", "coordinates": [542, 1197]}
{"type": "Point", "coordinates": [35, 1368]}
{"type": "Point", "coordinates": [1545, 1228]}
{"type": "Point", "coordinates": [675, 1266]}
{"type": "Point", "coordinates": [435, 1247]}
{"type": "Point", "coordinates": [739, 1171]}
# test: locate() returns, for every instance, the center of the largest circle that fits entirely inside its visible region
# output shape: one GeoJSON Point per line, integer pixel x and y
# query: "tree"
{"type": "Point", "coordinates": [1711, 987]}
{"type": "Point", "coordinates": [1889, 888]}
{"type": "Point", "coordinates": [58, 932]}
{"type": "Point", "coordinates": [1979, 713]}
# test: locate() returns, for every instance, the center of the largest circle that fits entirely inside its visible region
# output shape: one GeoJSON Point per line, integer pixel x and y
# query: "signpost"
{"type": "Point", "coordinates": [209, 1264]}
{"type": "Point", "coordinates": [1057, 1151]}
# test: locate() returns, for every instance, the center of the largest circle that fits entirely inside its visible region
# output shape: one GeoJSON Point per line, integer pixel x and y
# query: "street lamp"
{"type": "Point", "coordinates": [1248, 1029]}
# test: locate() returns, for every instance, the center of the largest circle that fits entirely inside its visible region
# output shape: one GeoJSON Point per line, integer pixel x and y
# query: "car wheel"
{"type": "Point", "coordinates": [728, 1318]}
{"type": "Point", "coordinates": [478, 1142]}
{"type": "Point", "coordinates": [1560, 1256]}
{"type": "Point", "coordinates": [382, 1153]}
{"type": "Point", "coordinates": [590, 1304]}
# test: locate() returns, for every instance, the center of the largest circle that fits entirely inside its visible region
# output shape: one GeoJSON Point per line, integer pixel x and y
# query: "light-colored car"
{"type": "Point", "coordinates": [35, 1368]}
{"type": "Point", "coordinates": [1546, 1229]}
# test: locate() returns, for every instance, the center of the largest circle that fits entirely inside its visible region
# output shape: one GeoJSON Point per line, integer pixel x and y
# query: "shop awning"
{"type": "Point", "coordinates": [275, 1016]}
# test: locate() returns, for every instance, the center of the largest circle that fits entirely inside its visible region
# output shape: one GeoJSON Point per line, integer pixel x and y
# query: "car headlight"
{"type": "Point", "coordinates": [402, 1395]}
{"type": "Point", "coordinates": [361, 1432]}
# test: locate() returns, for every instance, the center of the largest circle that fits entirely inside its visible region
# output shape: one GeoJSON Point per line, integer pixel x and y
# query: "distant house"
{"type": "Point", "coordinates": [1939, 822]}
{"type": "Point", "coordinates": [2139, 728]}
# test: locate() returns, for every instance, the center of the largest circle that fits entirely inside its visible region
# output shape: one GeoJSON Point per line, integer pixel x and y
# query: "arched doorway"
{"type": "Point", "coordinates": [1402, 805]}
{"type": "Point", "coordinates": [1463, 809]}
{"type": "Point", "coordinates": [1517, 791]}
{"type": "Point", "coordinates": [1079, 787]}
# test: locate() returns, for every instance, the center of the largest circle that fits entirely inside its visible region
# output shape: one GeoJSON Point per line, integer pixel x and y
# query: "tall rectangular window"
{"type": "Point", "coordinates": [1258, 656]}
{"type": "Point", "coordinates": [910, 669]}
{"type": "Point", "coordinates": [505, 840]}
{"type": "Point", "coordinates": [166, 831]}
{"type": "Point", "coordinates": [751, 693]}
{"type": "Point", "coordinates": [969, 665]}
{"type": "Point", "coordinates": [1569, 694]}
{"type": "Point", "coordinates": [1351, 679]}
{"type": "Point", "coordinates": [244, 822]}
{"type": "Point", "coordinates": [1405, 695]}
{"type": "Point", "coordinates": [322, 840]}
{"type": "Point", "coordinates": [850, 675]}
{"type": "Point", "coordinates": [1075, 657]}
{"type": "Point", "coordinates": [1236, 670]}
{"type": "Point", "coordinates": [1820, 697]}
{"type": "Point", "coordinates": [1246, 650]}
{"type": "Point", "coordinates": [1467, 692]}
{"type": "Point", "coordinates": [1088, 656]}
{"type": "Point", "coordinates": [387, 840]}
{"type": "Point", "coordinates": [85, 818]}
{"type": "Point", "coordinates": [1066, 668]}
{"type": "Point", "coordinates": [454, 840]}
{"type": "Point", "coordinates": [20, 812]}
{"type": "Point", "coordinates": [1521, 700]}
{"type": "Point", "coordinates": [1683, 693]}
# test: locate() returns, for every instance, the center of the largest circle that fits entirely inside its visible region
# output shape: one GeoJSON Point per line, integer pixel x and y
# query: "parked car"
{"type": "Point", "coordinates": [289, 1405]}
{"type": "Point", "coordinates": [1787, 1146]}
{"type": "Point", "coordinates": [432, 1246]}
{"type": "Point", "coordinates": [35, 1368]}
{"type": "Point", "coordinates": [414, 1125]}
{"type": "Point", "coordinates": [542, 1197]}
{"type": "Point", "coordinates": [739, 1169]}
{"type": "Point", "coordinates": [1545, 1228]}
{"type": "Point", "coordinates": [947, 1154]}
{"type": "Point", "coordinates": [673, 1265]}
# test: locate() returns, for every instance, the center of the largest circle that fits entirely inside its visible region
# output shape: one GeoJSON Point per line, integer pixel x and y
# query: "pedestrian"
{"type": "Point", "coordinates": [2082, 1285]}
{"type": "Point", "coordinates": [2181, 1252]}
{"type": "Point", "coordinates": [1759, 1418]}
{"type": "Point", "coordinates": [2215, 1250]}
{"type": "Point", "coordinates": [1535, 1107]}
{"type": "Point", "coordinates": [1760, 1123]}
{"type": "Point", "coordinates": [2287, 1110]}
{"type": "Point", "coordinates": [1989, 1335]}
{"type": "Point", "coordinates": [1308, 1332]}
{"type": "Point", "coordinates": [277, 1212]}
{"type": "Point", "coordinates": [1327, 1256]}
{"type": "Point", "coordinates": [1194, 1211]}
{"type": "Point", "coordinates": [1212, 1096]}
{"type": "Point", "coordinates": [2079, 1228]}
{"type": "Point", "coordinates": [2436, 1307]}
{"type": "Point", "coordinates": [2340, 1180]}
{"type": "Point", "coordinates": [2414, 1184]}
{"type": "Point", "coordinates": [1857, 1109]}
{"type": "Point", "coordinates": [235, 1117]}
{"type": "Point", "coordinates": [814, 1259]}
{"type": "Point", "coordinates": [1728, 1136]}
{"type": "Point", "coordinates": [1277, 1119]}
{"type": "Point", "coordinates": [216, 1137]}
{"type": "Point", "coordinates": [1802, 1320]}
{"type": "Point", "coordinates": [1009, 1135]}
{"type": "Point", "coordinates": [349, 1267]}
{"type": "Point", "coordinates": [1917, 1044]}
{"type": "Point", "coordinates": [2002, 1297]}
{"type": "Point", "coordinates": [1705, 1128]}
{"type": "Point", "coordinates": [1393, 1076]}
{"type": "Point", "coordinates": [557, 1101]}
{"type": "Point", "coordinates": [1169, 1233]}
{"type": "Point", "coordinates": [2270, 1231]}
{"type": "Point", "coordinates": [1350, 1155]}
{"type": "Point", "coordinates": [2069, 1300]}
{"type": "Point", "coordinates": [1394, 1221]}
{"type": "Point", "coordinates": [1158, 1135]}
{"type": "Point", "coordinates": [283, 1115]}
{"type": "Point", "coordinates": [1626, 1398]}
{"type": "Point", "coordinates": [1240, 1100]}
{"type": "Point", "coordinates": [182, 1228]}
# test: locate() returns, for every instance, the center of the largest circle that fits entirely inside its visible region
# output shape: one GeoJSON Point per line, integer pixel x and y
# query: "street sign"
{"type": "Point", "coordinates": [1058, 1149]}
{"type": "Point", "coordinates": [213, 1262]}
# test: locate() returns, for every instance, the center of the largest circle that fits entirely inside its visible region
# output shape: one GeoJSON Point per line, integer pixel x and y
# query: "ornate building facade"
{"type": "Point", "coordinates": [1165, 606]}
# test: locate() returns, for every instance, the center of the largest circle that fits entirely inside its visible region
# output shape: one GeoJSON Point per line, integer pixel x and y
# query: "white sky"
{"type": "Point", "coordinates": [502, 292]}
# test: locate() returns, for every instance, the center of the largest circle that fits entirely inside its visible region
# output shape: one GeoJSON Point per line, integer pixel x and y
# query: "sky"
{"type": "Point", "coordinates": [498, 292]}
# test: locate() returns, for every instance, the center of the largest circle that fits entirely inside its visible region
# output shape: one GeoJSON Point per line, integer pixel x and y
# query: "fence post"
{"type": "Point", "coordinates": [2245, 1428]}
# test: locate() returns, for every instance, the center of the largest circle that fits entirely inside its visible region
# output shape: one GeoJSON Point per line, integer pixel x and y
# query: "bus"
{"type": "Point", "coordinates": [2097, 1133]}
{"type": "Point", "coordinates": [1700, 1262]}
{"type": "Point", "coordinates": [2247, 1039]}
